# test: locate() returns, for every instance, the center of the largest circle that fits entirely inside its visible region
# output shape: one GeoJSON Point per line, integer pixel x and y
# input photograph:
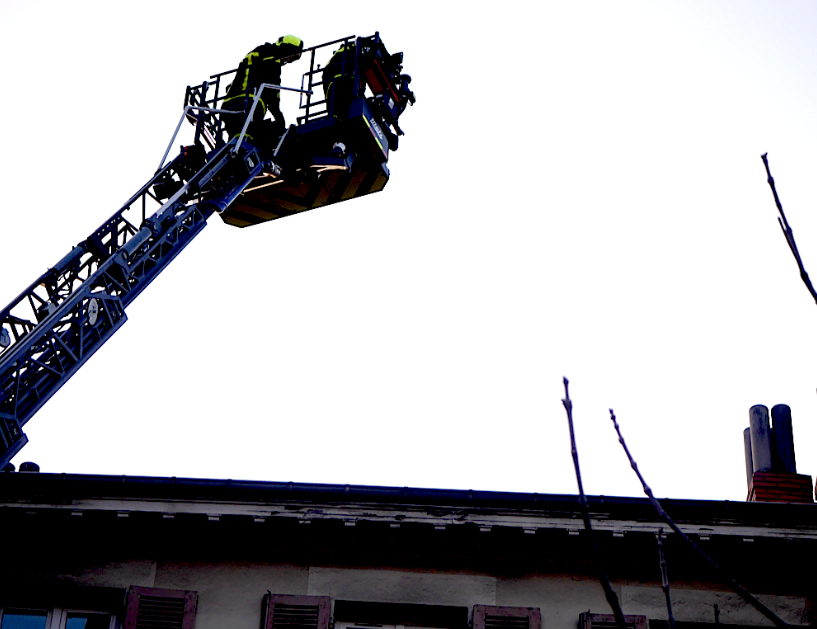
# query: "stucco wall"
{"type": "Point", "coordinates": [694, 605]}
{"type": "Point", "coordinates": [230, 593]}
{"type": "Point", "coordinates": [561, 598]}
{"type": "Point", "coordinates": [398, 586]}
{"type": "Point", "coordinates": [120, 574]}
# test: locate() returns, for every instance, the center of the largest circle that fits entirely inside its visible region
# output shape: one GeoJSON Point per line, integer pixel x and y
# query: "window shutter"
{"type": "Point", "coordinates": [489, 617]}
{"type": "Point", "coordinates": [296, 612]}
{"type": "Point", "coordinates": [152, 608]}
{"type": "Point", "coordinates": [608, 621]}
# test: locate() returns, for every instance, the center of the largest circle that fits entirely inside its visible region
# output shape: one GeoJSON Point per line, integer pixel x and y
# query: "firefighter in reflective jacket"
{"type": "Point", "coordinates": [262, 65]}
{"type": "Point", "coordinates": [338, 81]}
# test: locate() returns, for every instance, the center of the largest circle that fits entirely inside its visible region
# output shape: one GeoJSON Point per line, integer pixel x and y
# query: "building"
{"type": "Point", "coordinates": [104, 552]}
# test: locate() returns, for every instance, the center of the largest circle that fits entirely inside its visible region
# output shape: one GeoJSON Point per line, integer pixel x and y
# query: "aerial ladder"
{"type": "Point", "coordinates": [56, 324]}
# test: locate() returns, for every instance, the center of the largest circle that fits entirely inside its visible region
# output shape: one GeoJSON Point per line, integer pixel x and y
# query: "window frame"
{"type": "Point", "coordinates": [533, 614]}
{"type": "Point", "coordinates": [323, 605]}
{"type": "Point", "coordinates": [57, 617]}
{"type": "Point", "coordinates": [136, 592]}
{"type": "Point", "coordinates": [606, 621]}
{"type": "Point", "coordinates": [355, 624]}
{"type": "Point", "coordinates": [365, 614]}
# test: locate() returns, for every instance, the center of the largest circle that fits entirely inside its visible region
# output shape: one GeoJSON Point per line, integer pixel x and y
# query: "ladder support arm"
{"type": "Point", "coordinates": [67, 314]}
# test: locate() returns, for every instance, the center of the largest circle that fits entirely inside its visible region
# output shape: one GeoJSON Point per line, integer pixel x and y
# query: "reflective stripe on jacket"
{"type": "Point", "coordinates": [262, 65]}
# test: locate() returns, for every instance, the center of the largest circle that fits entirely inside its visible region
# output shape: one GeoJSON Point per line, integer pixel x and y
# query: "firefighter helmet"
{"type": "Point", "coordinates": [289, 48]}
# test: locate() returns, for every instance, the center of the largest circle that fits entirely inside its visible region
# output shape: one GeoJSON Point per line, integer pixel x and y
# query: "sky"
{"type": "Point", "coordinates": [579, 193]}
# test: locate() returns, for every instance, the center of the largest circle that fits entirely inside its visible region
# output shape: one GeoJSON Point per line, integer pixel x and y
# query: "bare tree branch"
{"type": "Point", "coordinates": [612, 599]}
{"type": "Point", "coordinates": [664, 579]}
{"type": "Point", "coordinates": [787, 231]}
{"type": "Point", "coordinates": [736, 587]}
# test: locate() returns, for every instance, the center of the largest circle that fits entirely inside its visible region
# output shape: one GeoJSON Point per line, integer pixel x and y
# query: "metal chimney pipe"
{"type": "Point", "coordinates": [747, 454]}
{"type": "Point", "coordinates": [761, 438]}
{"type": "Point", "coordinates": [784, 438]}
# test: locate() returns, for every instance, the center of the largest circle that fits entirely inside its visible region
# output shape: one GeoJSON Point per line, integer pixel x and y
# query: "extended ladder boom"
{"type": "Point", "coordinates": [50, 330]}
{"type": "Point", "coordinates": [338, 151]}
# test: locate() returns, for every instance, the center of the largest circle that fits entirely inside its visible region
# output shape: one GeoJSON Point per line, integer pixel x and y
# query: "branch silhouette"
{"type": "Point", "coordinates": [787, 231]}
{"type": "Point", "coordinates": [736, 587]}
{"type": "Point", "coordinates": [664, 578]}
{"type": "Point", "coordinates": [612, 599]}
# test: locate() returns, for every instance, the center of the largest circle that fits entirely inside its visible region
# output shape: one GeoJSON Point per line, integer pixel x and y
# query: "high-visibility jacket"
{"type": "Point", "coordinates": [341, 64]}
{"type": "Point", "coordinates": [262, 65]}
{"type": "Point", "coordinates": [337, 81]}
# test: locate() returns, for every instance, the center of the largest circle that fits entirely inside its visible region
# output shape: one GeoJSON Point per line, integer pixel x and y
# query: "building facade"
{"type": "Point", "coordinates": [102, 552]}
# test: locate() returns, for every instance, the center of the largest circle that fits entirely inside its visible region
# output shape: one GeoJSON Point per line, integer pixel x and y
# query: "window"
{"type": "Point", "coordinates": [46, 606]}
{"type": "Point", "coordinates": [282, 611]}
{"type": "Point", "coordinates": [152, 608]}
{"type": "Point", "coordinates": [24, 619]}
{"type": "Point", "coordinates": [367, 615]}
{"type": "Point", "coordinates": [358, 625]}
{"type": "Point", "coordinates": [55, 618]}
{"type": "Point", "coordinates": [33, 604]}
{"type": "Point", "coordinates": [663, 624]}
{"type": "Point", "coordinates": [608, 621]}
{"type": "Point", "coordinates": [491, 617]}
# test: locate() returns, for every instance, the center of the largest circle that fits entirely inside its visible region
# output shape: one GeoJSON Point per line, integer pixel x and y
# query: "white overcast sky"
{"type": "Point", "coordinates": [579, 193]}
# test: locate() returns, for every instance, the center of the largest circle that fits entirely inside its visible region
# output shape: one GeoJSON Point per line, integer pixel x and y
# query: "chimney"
{"type": "Point", "coordinates": [771, 470]}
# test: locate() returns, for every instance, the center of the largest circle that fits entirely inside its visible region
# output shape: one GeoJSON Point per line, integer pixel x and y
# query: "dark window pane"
{"type": "Point", "coordinates": [87, 621]}
{"type": "Point", "coordinates": [24, 620]}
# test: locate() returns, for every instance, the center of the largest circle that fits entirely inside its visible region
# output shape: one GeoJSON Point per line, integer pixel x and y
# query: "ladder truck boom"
{"type": "Point", "coordinates": [333, 153]}
{"type": "Point", "coordinates": [54, 326]}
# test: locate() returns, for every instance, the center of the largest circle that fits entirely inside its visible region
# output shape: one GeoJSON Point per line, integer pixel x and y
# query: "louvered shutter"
{"type": "Point", "coordinates": [608, 621]}
{"type": "Point", "coordinates": [296, 612]}
{"type": "Point", "coordinates": [489, 617]}
{"type": "Point", "coordinates": [152, 608]}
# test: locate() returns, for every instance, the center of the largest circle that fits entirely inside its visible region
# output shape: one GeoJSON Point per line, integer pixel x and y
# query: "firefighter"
{"type": "Point", "coordinates": [338, 81]}
{"type": "Point", "coordinates": [262, 65]}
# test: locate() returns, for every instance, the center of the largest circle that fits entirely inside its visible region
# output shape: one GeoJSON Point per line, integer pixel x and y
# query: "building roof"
{"type": "Point", "coordinates": [216, 498]}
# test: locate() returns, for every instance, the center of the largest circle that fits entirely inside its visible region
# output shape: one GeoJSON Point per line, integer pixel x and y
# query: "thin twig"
{"type": "Point", "coordinates": [664, 579]}
{"type": "Point", "coordinates": [736, 587]}
{"type": "Point", "coordinates": [787, 231]}
{"type": "Point", "coordinates": [612, 599]}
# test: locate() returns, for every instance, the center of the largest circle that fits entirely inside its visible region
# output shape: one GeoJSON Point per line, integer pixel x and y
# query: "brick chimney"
{"type": "Point", "coordinates": [771, 470]}
{"type": "Point", "coordinates": [780, 487]}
